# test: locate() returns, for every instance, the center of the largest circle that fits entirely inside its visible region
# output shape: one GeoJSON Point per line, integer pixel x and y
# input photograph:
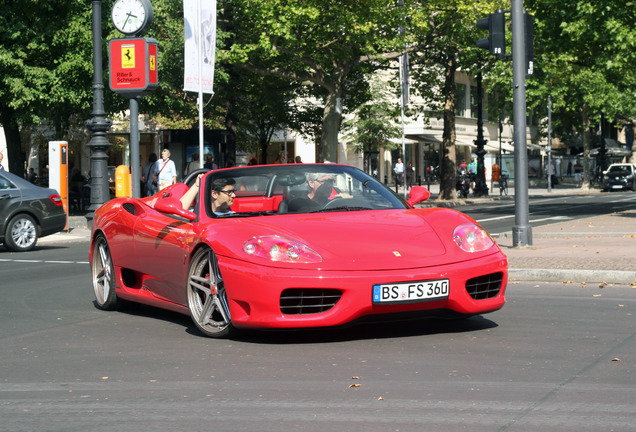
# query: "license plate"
{"type": "Point", "coordinates": [411, 292]}
{"type": "Point", "coordinates": [617, 187]}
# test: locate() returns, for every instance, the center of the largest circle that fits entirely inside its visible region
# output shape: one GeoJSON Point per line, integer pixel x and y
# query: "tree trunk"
{"type": "Point", "coordinates": [587, 145]}
{"type": "Point", "coordinates": [14, 143]}
{"type": "Point", "coordinates": [331, 119]}
{"type": "Point", "coordinates": [448, 165]}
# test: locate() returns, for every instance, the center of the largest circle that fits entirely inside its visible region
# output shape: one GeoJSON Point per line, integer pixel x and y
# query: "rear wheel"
{"type": "Point", "coordinates": [103, 273]}
{"type": "Point", "coordinates": [207, 299]}
{"type": "Point", "coordinates": [21, 234]}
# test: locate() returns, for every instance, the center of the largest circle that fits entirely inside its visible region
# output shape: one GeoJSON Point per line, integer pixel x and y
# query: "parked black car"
{"type": "Point", "coordinates": [27, 212]}
{"type": "Point", "coordinates": [620, 176]}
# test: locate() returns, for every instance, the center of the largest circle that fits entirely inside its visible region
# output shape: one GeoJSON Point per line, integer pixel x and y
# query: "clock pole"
{"type": "Point", "coordinates": [98, 124]}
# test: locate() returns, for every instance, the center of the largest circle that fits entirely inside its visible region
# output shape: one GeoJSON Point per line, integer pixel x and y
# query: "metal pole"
{"type": "Point", "coordinates": [481, 189]}
{"type": "Point", "coordinates": [98, 124]}
{"type": "Point", "coordinates": [402, 121]}
{"type": "Point", "coordinates": [549, 143]}
{"type": "Point", "coordinates": [200, 98]}
{"type": "Point", "coordinates": [521, 231]}
{"type": "Point", "coordinates": [134, 147]}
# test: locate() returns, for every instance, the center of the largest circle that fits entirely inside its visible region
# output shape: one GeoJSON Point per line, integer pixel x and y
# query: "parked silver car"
{"type": "Point", "coordinates": [27, 212]}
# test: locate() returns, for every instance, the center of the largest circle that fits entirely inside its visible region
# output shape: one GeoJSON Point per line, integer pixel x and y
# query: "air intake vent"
{"type": "Point", "coordinates": [130, 208]}
{"type": "Point", "coordinates": [300, 301]}
{"type": "Point", "coordinates": [484, 287]}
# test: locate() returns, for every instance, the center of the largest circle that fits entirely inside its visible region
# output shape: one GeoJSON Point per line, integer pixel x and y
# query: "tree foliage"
{"type": "Point", "coordinates": [317, 43]}
{"type": "Point", "coordinates": [585, 52]}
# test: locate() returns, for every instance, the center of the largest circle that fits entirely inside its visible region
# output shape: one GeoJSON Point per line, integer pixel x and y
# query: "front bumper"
{"type": "Point", "coordinates": [254, 292]}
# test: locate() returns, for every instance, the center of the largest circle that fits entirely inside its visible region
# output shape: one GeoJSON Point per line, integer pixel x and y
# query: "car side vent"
{"type": "Point", "coordinates": [484, 287]}
{"type": "Point", "coordinates": [300, 301]}
{"type": "Point", "coordinates": [130, 208]}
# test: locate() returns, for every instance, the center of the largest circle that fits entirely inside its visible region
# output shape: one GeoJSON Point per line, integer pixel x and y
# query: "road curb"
{"type": "Point", "coordinates": [573, 275]}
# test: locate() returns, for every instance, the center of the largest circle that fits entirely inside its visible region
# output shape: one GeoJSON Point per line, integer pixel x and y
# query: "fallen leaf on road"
{"type": "Point", "coordinates": [354, 385]}
{"type": "Point", "coordinates": [355, 377]}
{"type": "Point", "coordinates": [597, 295]}
{"type": "Point", "coordinates": [616, 359]}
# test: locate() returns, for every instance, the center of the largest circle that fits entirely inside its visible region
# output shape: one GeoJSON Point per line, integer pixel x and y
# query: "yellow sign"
{"type": "Point", "coordinates": [127, 56]}
{"type": "Point", "coordinates": [153, 63]}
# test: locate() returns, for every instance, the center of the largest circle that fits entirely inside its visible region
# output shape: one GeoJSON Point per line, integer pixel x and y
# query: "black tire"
{"type": "Point", "coordinates": [103, 273]}
{"type": "Point", "coordinates": [207, 299]}
{"type": "Point", "coordinates": [21, 234]}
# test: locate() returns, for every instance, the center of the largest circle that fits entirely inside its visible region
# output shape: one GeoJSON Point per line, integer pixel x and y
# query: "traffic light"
{"type": "Point", "coordinates": [495, 23]}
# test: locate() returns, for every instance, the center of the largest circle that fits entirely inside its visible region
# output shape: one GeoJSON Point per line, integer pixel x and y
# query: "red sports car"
{"type": "Point", "coordinates": [292, 246]}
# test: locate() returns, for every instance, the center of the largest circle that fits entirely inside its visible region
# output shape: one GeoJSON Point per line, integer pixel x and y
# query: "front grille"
{"type": "Point", "coordinates": [300, 301]}
{"type": "Point", "coordinates": [484, 287]}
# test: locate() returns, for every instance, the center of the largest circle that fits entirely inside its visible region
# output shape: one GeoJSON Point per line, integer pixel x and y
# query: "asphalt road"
{"type": "Point", "coordinates": [499, 216]}
{"type": "Point", "coordinates": [556, 357]}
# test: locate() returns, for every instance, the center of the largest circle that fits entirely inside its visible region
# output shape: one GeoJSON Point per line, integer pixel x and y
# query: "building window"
{"type": "Point", "coordinates": [460, 100]}
{"type": "Point", "coordinates": [473, 101]}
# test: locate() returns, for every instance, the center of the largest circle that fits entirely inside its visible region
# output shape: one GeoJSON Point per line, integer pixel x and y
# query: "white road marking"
{"type": "Point", "coordinates": [42, 261]}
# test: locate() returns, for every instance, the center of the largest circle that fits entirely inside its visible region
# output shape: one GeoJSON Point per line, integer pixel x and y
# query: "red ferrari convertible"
{"type": "Point", "coordinates": [292, 246]}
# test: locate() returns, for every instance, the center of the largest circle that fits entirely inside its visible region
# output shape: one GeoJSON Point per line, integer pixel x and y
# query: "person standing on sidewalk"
{"type": "Point", "coordinates": [399, 172]}
{"type": "Point", "coordinates": [578, 173]}
{"type": "Point", "coordinates": [166, 170]}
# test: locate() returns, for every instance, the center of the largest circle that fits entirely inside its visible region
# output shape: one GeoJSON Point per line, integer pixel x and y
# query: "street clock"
{"type": "Point", "coordinates": [132, 17]}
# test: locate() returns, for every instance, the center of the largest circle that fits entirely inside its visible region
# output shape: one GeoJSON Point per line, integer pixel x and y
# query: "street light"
{"type": "Point", "coordinates": [98, 124]}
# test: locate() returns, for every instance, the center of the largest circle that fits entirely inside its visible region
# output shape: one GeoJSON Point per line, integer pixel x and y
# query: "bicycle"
{"type": "Point", "coordinates": [503, 184]}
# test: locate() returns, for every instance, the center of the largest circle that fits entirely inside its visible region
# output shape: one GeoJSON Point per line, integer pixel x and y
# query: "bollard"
{"type": "Point", "coordinates": [122, 182]}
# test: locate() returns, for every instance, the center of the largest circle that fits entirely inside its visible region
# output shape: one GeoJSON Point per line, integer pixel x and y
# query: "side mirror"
{"type": "Point", "coordinates": [418, 194]}
{"type": "Point", "coordinates": [171, 205]}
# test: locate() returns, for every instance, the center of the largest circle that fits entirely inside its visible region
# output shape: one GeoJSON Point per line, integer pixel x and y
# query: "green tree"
{"type": "Point", "coordinates": [445, 34]}
{"type": "Point", "coordinates": [584, 56]}
{"type": "Point", "coordinates": [43, 67]}
{"type": "Point", "coordinates": [317, 43]}
{"type": "Point", "coordinates": [372, 126]}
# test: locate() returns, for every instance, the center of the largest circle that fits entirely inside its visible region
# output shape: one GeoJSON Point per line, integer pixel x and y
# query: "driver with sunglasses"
{"type": "Point", "coordinates": [321, 187]}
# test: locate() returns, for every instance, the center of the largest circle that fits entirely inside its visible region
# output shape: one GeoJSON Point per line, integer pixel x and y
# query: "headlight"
{"type": "Point", "coordinates": [280, 249]}
{"type": "Point", "coordinates": [472, 238]}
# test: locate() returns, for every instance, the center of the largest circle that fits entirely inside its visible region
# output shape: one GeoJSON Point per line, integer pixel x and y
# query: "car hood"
{"type": "Point", "coordinates": [361, 240]}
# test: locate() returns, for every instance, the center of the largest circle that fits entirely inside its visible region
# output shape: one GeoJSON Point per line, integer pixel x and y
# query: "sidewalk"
{"type": "Point", "coordinates": [598, 249]}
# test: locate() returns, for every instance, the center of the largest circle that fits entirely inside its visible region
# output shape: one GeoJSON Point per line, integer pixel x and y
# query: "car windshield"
{"type": "Point", "coordinates": [619, 170]}
{"type": "Point", "coordinates": [297, 188]}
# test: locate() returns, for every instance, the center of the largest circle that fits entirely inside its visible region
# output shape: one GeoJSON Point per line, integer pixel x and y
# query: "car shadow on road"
{"type": "Point", "coordinates": [374, 330]}
{"type": "Point", "coordinates": [359, 330]}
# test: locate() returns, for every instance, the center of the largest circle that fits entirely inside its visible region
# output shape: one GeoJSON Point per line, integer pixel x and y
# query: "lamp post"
{"type": "Point", "coordinates": [98, 124]}
{"type": "Point", "coordinates": [481, 189]}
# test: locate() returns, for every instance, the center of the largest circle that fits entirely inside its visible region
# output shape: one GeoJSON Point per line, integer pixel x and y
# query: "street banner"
{"type": "Point", "coordinates": [200, 45]}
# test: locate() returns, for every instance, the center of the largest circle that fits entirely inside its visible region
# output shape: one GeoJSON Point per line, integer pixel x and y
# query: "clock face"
{"type": "Point", "coordinates": [132, 16]}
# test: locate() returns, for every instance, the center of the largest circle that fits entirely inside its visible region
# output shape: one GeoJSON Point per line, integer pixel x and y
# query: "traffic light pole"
{"type": "Point", "coordinates": [521, 231]}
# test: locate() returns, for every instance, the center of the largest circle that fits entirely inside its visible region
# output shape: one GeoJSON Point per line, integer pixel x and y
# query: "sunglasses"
{"type": "Point", "coordinates": [323, 181]}
{"type": "Point", "coordinates": [228, 192]}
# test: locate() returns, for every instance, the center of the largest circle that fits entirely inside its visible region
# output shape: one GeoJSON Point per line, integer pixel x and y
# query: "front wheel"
{"type": "Point", "coordinates": [207, 299]}
{"type": "Point", "coordinates": [21, 234]}
{"type": "Point", "coordinates": [103, 273]}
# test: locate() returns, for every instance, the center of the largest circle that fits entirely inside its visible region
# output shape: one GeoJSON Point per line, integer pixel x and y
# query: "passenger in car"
{"type": "Point", "coordinates": [223, 194]}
